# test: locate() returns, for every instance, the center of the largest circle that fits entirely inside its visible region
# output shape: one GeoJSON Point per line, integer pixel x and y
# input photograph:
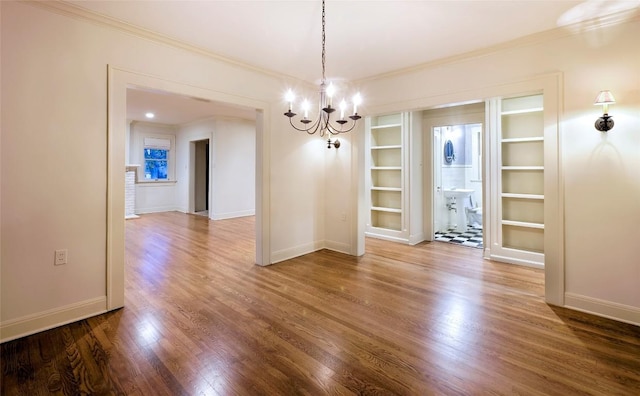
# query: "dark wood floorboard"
{"type": "Point", "coordinates": [433, 319]}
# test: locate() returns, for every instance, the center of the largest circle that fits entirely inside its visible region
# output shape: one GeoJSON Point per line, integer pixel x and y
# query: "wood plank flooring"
{"type": "Point", "coordinates": [202, 319]}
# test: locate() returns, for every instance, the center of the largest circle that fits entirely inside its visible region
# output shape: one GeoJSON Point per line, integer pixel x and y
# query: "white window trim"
{"type": "Point", "coordinates": [171, 158]}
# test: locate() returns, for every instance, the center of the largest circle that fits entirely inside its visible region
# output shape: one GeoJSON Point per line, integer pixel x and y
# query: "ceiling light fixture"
{"type": "Point", "coordinates": [149, 115]}
{"type": "Point", "coordinates": [323, 123]}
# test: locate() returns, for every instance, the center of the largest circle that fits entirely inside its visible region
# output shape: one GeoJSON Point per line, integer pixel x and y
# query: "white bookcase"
{"type": "Point", "coordinates": [520, 204]}
{"type": "Point", "coordinates": [388, 147]}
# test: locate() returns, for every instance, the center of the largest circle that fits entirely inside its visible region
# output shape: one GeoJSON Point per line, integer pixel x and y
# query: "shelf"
{"type": "Point", "coordinates": [524, 140]}
{"type": "Point", "coordinates": [523, 224]}
{"type": "Point", "coordinates": [522, 168]}
{"type": "Point", "coordinates": [522, 196]}
{"type": "Point", "coordinates": [523, 111]}
{"type": "Point", "coordinates": [386, 168]}
{"type": "Point", "coordinates": [395, 146]}
{"type": "Point", "coordinates": [390, 210]}
{"type": "Point", "coordinates": [384, 219]}
{"type": "Point", "coordinates": [375, 188]}
{"type": "Point", "coordinates": [378, 127]}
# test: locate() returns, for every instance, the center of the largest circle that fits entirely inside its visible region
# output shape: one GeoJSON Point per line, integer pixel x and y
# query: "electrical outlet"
{"type": "Point", "coordinates": [60, 257]}
{"type": "Point", "coordinates": [343, 217]}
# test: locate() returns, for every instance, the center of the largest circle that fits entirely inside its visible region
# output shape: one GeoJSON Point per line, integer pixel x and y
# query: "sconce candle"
{"type": "Point", "coordinates": [604, 123]}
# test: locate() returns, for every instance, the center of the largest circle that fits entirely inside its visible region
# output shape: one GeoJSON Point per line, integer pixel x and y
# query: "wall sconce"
{"type": "Point", "coordinates": [335, 143]}
{"type": "Point", "coordinates": [604, 123]}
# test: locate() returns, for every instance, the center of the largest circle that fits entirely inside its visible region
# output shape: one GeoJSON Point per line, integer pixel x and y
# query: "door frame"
{"type": "Point", "coordinates": [192, 174]}
{"type": "Point", "coordinates": [118, 80]}
{"type": "Point", "coordinates": [430, 182]}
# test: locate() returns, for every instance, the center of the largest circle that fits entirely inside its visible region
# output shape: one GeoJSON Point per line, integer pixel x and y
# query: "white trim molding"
{"type": "Point", "coordinates": [300, 250]}
{"type": "Point", "coordinates": [606, 309]}
{"type": "Point", "coordinates": [35, 323]}
{"type": "Point", "coordinates": [232, 215]}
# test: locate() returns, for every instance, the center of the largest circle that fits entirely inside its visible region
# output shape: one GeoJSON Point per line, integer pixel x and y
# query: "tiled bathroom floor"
{"type": "Point", "coordinates": [472, 237]}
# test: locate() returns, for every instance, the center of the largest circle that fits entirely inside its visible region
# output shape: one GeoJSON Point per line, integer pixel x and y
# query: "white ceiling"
{"type": "Point", "coordinates": [364, 38]}
{"type": "Point", "coordinates": [172, 109]}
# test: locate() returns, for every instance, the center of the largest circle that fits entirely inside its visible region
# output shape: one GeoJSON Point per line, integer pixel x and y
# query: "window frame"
{"type": "Point", "coordinates": [152, 141]}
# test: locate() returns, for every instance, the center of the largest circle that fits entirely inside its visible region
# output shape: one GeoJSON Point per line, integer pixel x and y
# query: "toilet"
{"type": "Point", "coordinates": [474, 213]}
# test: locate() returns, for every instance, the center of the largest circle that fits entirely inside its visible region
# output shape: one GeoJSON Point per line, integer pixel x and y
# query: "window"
{"type": "Point", "coordinates": [157, 158]}
{"type": "Point", "coordinates": [155, 164]}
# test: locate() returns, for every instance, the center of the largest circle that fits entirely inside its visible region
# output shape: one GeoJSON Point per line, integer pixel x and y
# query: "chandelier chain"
{"type": "Point", "coordinates": [323, 43]}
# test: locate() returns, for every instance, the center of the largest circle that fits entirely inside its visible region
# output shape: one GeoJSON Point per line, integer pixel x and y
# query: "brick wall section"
{"type": "Point", "coordinates": [130, 192]}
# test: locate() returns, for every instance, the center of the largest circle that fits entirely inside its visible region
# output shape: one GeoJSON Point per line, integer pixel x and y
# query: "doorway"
{"type": "Point", "coordinates": [119, 82]}
{"type": "Point", "coordinates": [201, 177]}
{"type": "Point", "coordinates": [454, 179]}
{"type": "Point", "coordinates": [458, 194]}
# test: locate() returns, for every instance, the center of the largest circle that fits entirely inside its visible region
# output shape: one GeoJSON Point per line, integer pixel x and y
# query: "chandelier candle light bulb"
{"type": "Point", "coordinates": [357, 99]}
{"type": "Point", "coordinates": [290, 97]}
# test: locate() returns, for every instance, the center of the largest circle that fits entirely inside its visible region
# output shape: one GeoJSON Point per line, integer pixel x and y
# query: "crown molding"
{"type": "Point", "coordinates": [64, 8]}
{"type": "Point", "coordinates": [627, 16]}
{"type": "Point", "coordinates": [71, 10]}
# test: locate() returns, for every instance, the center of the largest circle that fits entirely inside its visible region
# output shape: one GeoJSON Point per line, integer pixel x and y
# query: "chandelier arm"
{"type": "Point", "coordinates": [315, 124]}
{"type": "Point", "coordinates": [335, 131]}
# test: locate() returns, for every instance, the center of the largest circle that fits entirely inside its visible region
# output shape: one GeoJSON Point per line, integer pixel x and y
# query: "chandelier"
{"type": "Point", "coordinates": [323, 123]}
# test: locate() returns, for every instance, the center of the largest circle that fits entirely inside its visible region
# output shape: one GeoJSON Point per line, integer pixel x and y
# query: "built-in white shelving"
{"type": "Point", "coordinates": [385, 137]}
{"type": "Point", "coordinates": [521, 170]}
{"type": "Point", "coordinates": [388, 145]}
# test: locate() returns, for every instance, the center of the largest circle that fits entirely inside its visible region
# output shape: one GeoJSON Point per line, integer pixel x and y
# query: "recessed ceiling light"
{"type": "Point", "coordinates": [149, 115]}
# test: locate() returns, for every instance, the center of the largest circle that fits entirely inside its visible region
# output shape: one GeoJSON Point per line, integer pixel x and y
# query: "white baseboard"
{"type": "Point", "coordinates": [156, 209]}
{"type": "Point", "coordinates": [232, 215]}
{"type": "Point", "coordinates": [286, 254]}
{"type": "Point", "coordinates": [31, 324]}
{"type": "Point", "coordinates": [338, 247]}
{"type": "Point", "coordinates": [386, 237]}
{"type": "Point", "coordinates": [416, 238]}
{"type": "Point", "coordinates": [606, 309]}
{"type": "Point", "coordinates": [512, 260]}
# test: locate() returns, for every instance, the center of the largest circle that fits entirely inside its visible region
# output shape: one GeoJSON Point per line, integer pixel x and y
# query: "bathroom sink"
{"type": "Point", "coordinates": [457, 192]}
{"type": "Point", "coordinates": [459, 195]}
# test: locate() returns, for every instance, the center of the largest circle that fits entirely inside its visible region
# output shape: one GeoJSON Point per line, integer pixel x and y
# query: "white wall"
{"type": "Point", "coordinates": [233, 163]}
{"type": "Point", "coordinates": [62, 78]}
{"type": "Point", "coordinates": [600, 178]}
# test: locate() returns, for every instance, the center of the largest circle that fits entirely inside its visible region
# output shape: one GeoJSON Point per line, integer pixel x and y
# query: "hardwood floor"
{"type": "Point", "coordinates": [201, 318]}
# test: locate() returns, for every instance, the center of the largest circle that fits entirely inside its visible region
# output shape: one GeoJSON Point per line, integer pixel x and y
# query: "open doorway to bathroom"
{"type": "Point", "coordinates": [454, 151]}
{"type": "Point", "coordinates": [457, 171]}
